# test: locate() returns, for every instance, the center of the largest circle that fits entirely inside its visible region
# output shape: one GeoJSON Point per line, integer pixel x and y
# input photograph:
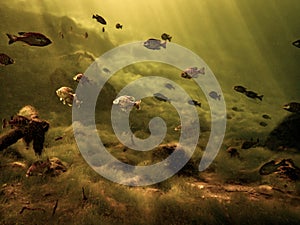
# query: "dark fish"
{"type": "Point", "coordinates": [103, 29]}
{"type": "Point", "coordinates": [292, 107]}
{"type": "Point", "coordinates": [252, 94]}
{"type": "Point", "coordinates": [263, 124]}
{"type": "Point", "coordinates": [266, 116]}
{"type": "Point", "coordinates": [296, 43]}
{"type": "Point", "coordinates": [154, 44]}
{"type": "Point", "coordinates": [161, 97]}
{"type": "Point", "coordinates": [58, 138]}
{"type": "Point", "coordinates": [30, 38]}
{"type": "Point", "coordinates": [194, 102]}
{"type": "Point", "coordinates": [86, 35]}
{"type": "Point", "coordinates": [165, 37]}
{"type": "Point", "coordinates": [169, 86]}
{"type": "Point", "coordinates": [119, 26]}
{"type": "Point", "coordinates": [214, 95]}
{"type": "Point", "coordinates": [240, 89]}
{"type": "Point", "coordinates": [234, 108]}
{"type": "Point", "coordinates": [16, 121]}
{"type": "Point", "coordinates": [5, 60]}
{"type": "Point", "coordinates": [106, 70]}
{"type": "Point", "coordinates": [100, 19]}
{"type": "Point", "coordinates": [249, 144]}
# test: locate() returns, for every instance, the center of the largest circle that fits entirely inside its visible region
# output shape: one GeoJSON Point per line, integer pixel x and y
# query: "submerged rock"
{"type": "Point", "coordinates": [286, 168]}
{"type": "Point", "coordinates": [285, 135]}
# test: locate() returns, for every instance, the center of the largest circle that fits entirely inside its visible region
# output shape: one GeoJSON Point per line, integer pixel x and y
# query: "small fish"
{"type": "Point", "coordinates": [103, 29]}
{"type": "Point", "coordinates": [263, 124]}
{"type": "Point", "coordinates": [252, 94]}
{"type": "Point", "coordinates": [194, 102]}
{"type": "Point", "coordinates": [166, 36]}
{"type": "Point", "coordinates": [58, 138]}
{"type": "Point", "coordinates": [249, 144]}
{"type": "Point", "coordinates": [240, 89]}
{"type": "Point", "coordinates": [106, 70]}
{"type": "Point", "coordinates": [296, 43]}
{"type": "Point", "coordinates": [266, 116]}
{"type": "Point", "coordinates": [169, 86]}
{"type": "Point", "coordinates": [177, 128]}
{"type": "Point", "coordinates": [214, 95]}
{"type": "Point", "coordinates": [100, 19]}
{"type": "Point", "coordinates": [154, 44]}
{"type": "Point", "coordinates": [119, 26]}
{"type": "Point", "coordinates": [126, 103]}
{"type": "Point", "coordinates": [293, 107]}
{"type": "Point", "coordinates": [86, 35]}
{"type": "Point", "coordinates": [67, 96]}
{"type": "Point", "coordinates": [81, 77]}
{"type": "Point", "coordinates": [161, 97]}
{"type": "Point", "coordinates": [5, 60]}
{"type": "Point", "coordinates": [192, 72]}
{"type": "Point", "coordinates": [234, 108]}
{"type": "Point", "coordinates": [30, 38]}
{"type": "Point", "coordinates": [15, 121]}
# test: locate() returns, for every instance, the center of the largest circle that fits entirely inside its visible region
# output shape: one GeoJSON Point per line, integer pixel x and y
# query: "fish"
{"type": "Point", "coordinates": [192, 72]}
{"type": "Point", "coordinates": [119, 26]}
{"type": "Point", "coordinates": [106, 70]}
{"type": "Point", "coordinates": [266, 116]}
{"type": "Point", "coordinates": [263, 124]}
{"type": "Point", "coordinates": [103, 29]}
{"type": "Point", "coordinates": [169, 86]}
{"type": "Point", "coordinates": [67, 96]}
{"type": "Point", "coordinates": [293, 107]}
{"type": "Point", "coordinates": [126, 103]}
{"type": "Point", "coordinates": [30, 38]}
{"type": "Point", "coordinates": [161, 97]}
{"type": "Point", "coordinates": [214, 95]}
{"type": "Point", "coordinates": [154, 44]}
{"type": "Point", "coordinates": [16, 121]}
{"type": "Point", "coordinates": [58, 138]}
{"type": "Point", "coordinates": [86, 35]}
{"type": "Point", "coordinates": [194, 102]}
{"type": "Point", "coordinates": [249, 144]}
{"type": "Point", "coordinates": [240, 89]}
{"type": "Point", "coordinates": [100, 19]}
{"type": "Point", "coordinates": [5, 60]}
{"type": "Point", "coordinates": [166, 36]}
{"type": "Point", "coordinates": [252, 94]}
{"type": "Point", "coordinates": [81, 77]}
{"type": "Point", "coordinates": [296, 43]}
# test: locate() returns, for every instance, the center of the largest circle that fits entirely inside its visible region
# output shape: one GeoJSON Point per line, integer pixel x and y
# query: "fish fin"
{"type": "Point", "coordinates": [12, 38]}
{"type": "Point", "coordinates": [93, 17]}
{"type": "Point", "coordinates": [22, 33]}
{"type": "Point", "coordinates": [260, 97]}
{"type": "Point", "coordinates": [164, 45]}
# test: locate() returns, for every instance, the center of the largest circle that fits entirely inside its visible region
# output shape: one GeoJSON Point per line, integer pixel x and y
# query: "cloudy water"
{"type": "Point", "coordinates": [247, 43]}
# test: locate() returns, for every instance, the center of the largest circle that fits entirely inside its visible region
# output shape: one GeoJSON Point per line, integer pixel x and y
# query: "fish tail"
{"type": "Point", "coordinates": [94, 17]}
{"type": "Point", "coordinates": [260, 97]}
{"type": "Point", "coordinates": [164, 45]}
{"type": "Point", "coordinates": [12, 38]}
{"type": "Point", "coordinates": [170, 38]}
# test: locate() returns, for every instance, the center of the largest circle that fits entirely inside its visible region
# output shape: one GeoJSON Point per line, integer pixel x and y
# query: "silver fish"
{"type": "Point", "coordinates": [126, 103]}
{"type": "Point", "coordinates": [192, 72]}
{"type": "Point", "coordinates": [154, 44]}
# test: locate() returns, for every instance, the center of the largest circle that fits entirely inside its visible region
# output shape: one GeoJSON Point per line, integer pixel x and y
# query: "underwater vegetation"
{"type": "Point", "coordinates": [45, 51]}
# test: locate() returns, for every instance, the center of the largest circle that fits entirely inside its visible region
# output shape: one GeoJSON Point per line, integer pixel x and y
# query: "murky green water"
{"type": "Point", "coordinates": [244, 42]}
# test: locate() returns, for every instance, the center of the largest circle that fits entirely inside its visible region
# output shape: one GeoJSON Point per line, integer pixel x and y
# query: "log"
{"type": "Point", "coordinates": [10, 138]}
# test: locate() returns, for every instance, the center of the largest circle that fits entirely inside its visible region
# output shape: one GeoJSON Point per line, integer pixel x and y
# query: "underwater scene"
{"type": "Point", "coordinates": [149, 112]}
